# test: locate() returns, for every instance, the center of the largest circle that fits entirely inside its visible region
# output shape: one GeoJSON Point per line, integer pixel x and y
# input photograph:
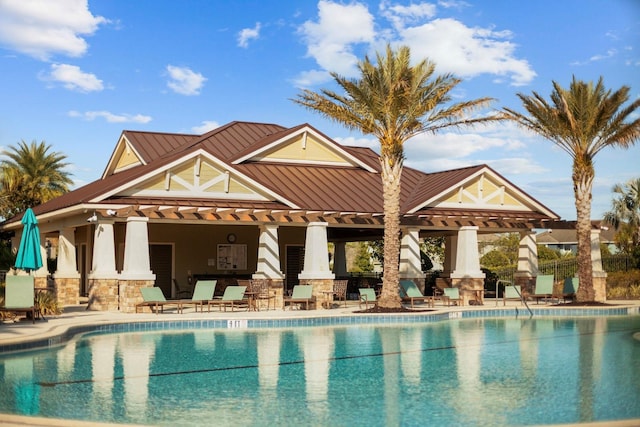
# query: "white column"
{"type": "Point", "coordinates": [340, 259]}
{"type": "Point", "coordinates": [44, 270]}
{"type": "Point", "coordinates": [596, 254]}
{"type": "Point", "coordinates": [528, 254]}
{"type": "Point", "coordinates": [316, 254]}
{"type": "Point", "coordinates": [410, 263]}
{"type": "Point", "coordinates": [137, 265]}
{"type": "Point", "coordinates": [103, 265]}
{"type": "Point", "coordinates": [268, 254]}
{"type": "Point", "coordinates": [67, 268]}
{"type": "Point", "coordinates": [467, 257]}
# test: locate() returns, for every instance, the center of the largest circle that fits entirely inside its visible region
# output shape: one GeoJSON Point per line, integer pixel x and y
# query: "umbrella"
{"type": "Point", "coordinates": [29, 257]}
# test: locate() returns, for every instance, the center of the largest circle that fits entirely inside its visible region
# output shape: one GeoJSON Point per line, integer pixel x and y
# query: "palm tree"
{"type": "Point", "coordinates": [394, 102]}
{"type": "Point", "coordinates": [625, 214]}
{"type": "Point", "coordinates": [582, 121]}
{"type": "Point", "coordinates": [29, 175]}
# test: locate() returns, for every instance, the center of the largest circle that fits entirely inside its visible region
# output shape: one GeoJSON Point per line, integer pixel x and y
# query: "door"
{"type": "Point", "coordinates": [294, 266]}
{"type": "Point", "coordinates": [161, 260]}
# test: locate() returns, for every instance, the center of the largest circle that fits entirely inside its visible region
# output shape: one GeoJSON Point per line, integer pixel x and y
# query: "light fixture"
{"type": "Point", "coordinates": [92, 218]}
{"type": "Point", "coordinates": [111, 212]}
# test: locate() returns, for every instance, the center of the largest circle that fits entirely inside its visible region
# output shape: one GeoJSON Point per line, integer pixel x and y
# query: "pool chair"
{"type": "Point", "coordinates": [340, 290]}
{"type": "Point", "coordinates": [302, 294]}
{"type": "Point", "coordinates": [19, 296]}
{"type": "Point", "coordinates": [409, 292]}
{"type": "Point", "coordinates": [202, 294]}
{"type": "Point", "coordinates": [511, 293]}
{"type": "Point", "coordinates": [543, 288]}
{"type": "Point", "coordinates": [155, 300]}
{"type": "Point", "coordinates": [233, 297]}
{"type": "Point", "coordinates": [181, 291]}
{"type": "Point", "coordinates": [569, 289]}
{"type": "Point", "coordinates": [367, 296]}
{"type": "Point", "coordinates": [452, 295]}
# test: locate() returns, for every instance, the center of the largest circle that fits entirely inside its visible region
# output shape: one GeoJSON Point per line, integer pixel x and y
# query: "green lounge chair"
{"type": "Point", "coordinates": [233, 297]}
{"type": "Point", "coordinates": [410, 292]}
{"type": "Point", "coordinates": [302, 294]}
{"type": "Point", "coordinates": [569, 289]}
{"type": "Point", "coordinates": [512, 292]}
{"type": "Point", "coordinates": [452, 295]}
{"type": "Point", "coordinates": [154, 299]}
{"type": "Point", "coordinates": [367, 296]}
{"type": "Point", "coordinates": [202, 294]}
{"type": "Point", "coordinates": [19, 295]}
{"type": "Point", "coordinates": [543, 288]}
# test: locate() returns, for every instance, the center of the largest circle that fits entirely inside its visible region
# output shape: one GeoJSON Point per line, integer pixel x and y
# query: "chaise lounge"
{"type": "Point", "coordinates": [19, 295]}
{"type": "Point", "coordinates": [154, 299]}
{"type": "Point", "coordinates": [302, 294]}
{"type": "Point", "coordinates": [409, 292]}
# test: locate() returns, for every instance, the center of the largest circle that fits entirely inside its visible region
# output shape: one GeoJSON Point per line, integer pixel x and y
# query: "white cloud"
{"type": "Point", "coordinates": [311, 78]}
{"type": "Point", "coordinates": [185, 81]}
{"type": "Point", "coordinates": [400, 16]}
{"type": "Point", "coordinates": [110, 117]}
{"type": "Point", "coordinates": [42, 28]}
{"type": "Point", "coordinates": [330, 39]}
{"type": "Point", "coordinates": [73, 78]}
{"type": "Point", "coordinates": [467, 51]}
{"type": "Point", "coordinates": [248, 34]}
{"type": "Point", "coordinates": [205, 127]}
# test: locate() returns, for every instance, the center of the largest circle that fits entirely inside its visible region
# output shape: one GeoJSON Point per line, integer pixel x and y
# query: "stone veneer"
{"type": "Point", "coordinates": [130, 294]}
{"type": "Point", "coordinates": [103, 294]}
{"type": "Point", "coordinates": [320, 286]}
{"type": "Point", "coordinates": [67, 291]}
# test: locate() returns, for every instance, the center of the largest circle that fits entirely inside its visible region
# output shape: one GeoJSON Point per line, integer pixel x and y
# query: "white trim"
{"type": "Point", "coordinates": [112, 160]}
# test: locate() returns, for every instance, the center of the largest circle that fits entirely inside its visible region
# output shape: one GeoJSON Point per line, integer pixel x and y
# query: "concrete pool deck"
{"type": "Point", "coordinates": [77, 316]}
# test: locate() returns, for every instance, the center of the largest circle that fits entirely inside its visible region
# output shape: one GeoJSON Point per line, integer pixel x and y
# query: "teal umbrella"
{"type": "Point", "coordinates": [29, 257]}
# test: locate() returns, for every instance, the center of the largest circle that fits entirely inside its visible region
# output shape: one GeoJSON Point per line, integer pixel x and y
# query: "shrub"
{"type": "Point", "coordinates": [494, 259]}
{"type": "Point", "coordinates": [48, 303]}
{"type": "Point", "coordinates": [623, 285]}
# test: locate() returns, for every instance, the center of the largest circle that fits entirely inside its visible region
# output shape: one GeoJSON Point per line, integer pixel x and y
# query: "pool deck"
{"type": "Point", "coordinates": [24, 331]}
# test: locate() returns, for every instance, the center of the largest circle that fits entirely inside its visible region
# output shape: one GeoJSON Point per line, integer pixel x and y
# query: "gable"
{"type": "Point", "coordinates": [484, 190]}
{"type": "Point", "coordinates": [124, 157]}
{"type": "Point", "coordinates": [304, 146]}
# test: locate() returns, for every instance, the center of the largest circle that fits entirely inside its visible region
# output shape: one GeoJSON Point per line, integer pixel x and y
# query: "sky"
{"type": "Point", "coordinates": [76, 73]}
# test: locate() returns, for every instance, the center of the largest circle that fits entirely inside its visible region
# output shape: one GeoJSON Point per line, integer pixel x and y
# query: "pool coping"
{"type": "Point", "coordinates": [61, 334]}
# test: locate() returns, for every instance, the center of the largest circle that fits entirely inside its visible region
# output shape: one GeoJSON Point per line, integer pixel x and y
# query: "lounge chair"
{"type": "Point", "coordinates": [569, 289]}
{"type": "Point", "coordinates": [452, 295]}
{"type": "Point", "coordinates": [367, 296]}
{"type": "Point", "coordinates": [260, 288]}
{"type": "Point", "coordinates": [202, 294]}
{"type": "Point", "coordinates": [181, 291]}
{"type": "Point", "coordinates": [154, 299]}
{"type": "Point", "coordinates": [340, 290]}
{"type": "Point", "coordinates": [543, 288]}
{"type": "Point", "coordinates": [233, 297]}
{"type": "Point", "coordinates": [410, 292]}
{"type": "Point", "coordinates": [19, 295]}
{"type": "Point", "coordinates": [302, 294]}
{"type": "Point", "coordinates": [512, 292]}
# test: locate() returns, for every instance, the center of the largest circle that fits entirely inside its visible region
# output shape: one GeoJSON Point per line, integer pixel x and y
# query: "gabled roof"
{"type": "Point", "coordinates": [268, 166]}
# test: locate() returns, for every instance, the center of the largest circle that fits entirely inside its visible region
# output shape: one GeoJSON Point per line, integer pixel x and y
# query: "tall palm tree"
{"type": "Point", "coordinates": [29, 175]}
{"type": "Point", "coordinates": [582, 121]}
{"type": "Point", "coordinates": [394, 102]}
{"type": "Point", "coordinates": [625, 214]}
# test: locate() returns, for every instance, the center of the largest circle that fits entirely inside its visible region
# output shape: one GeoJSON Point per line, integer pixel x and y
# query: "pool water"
{"type": "Point", "coordinates": [478, 372]}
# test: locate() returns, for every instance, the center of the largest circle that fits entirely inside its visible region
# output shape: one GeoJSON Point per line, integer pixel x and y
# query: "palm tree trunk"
{"type": "Point", "coordinates": [391, 173]}
{"type": "Point", "coordinates": [582, 185]}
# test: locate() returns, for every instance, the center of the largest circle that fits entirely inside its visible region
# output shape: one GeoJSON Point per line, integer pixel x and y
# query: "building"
{"type": "Point", "coordinates": [262, 200]}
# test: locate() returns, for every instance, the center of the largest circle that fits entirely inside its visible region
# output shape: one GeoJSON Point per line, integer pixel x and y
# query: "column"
{"type": "Point", "coordinates": [410, 262]}
{"type": "Point", "coordinates": [136, 269]}
{"type": "Point", "coordinates": [316, 270]}
{"type": "Point", "coordinates": [66, 277]}
{"type": "Point", "coordinates": [269, 262]}
{"type": "Point", "coordinates": [340, 259]}
{"type": "Point", "coordinates": [103, 277]}
{"type": "Point", "coordinates": [467, 274]}
{"type": "Point", "coordinates": [527, 261]}
{"type": "Point", "coordinates": [598, 273]}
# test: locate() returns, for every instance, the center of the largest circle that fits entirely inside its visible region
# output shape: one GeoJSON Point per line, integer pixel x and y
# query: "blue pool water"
{"type": "Point", "coordinates": [477, 372]}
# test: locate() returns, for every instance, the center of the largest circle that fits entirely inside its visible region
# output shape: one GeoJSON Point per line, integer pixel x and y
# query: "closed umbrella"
{"type": "Point", "coordinates": [29, 257]}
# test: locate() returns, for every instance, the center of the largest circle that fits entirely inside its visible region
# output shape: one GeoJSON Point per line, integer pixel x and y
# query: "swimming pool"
{"type": "Point", "coordinates": [472, 372]}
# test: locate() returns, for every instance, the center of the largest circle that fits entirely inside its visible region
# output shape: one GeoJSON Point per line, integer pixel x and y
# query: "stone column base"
{"type": "Point", "coordinates": [67, 290]}
{"type": "Point", "coordinates": [321, 287]}
{"type": "Point", "coordinates": [103, 294]}
{"type": "Point", "coordinates": [471, 289]}
{"type": "Point", "coordinates": [600, 286]}
{"type": "Point", "coordinates": [526, 282]}
{"type": "Point", "coordinates": [130, 295]}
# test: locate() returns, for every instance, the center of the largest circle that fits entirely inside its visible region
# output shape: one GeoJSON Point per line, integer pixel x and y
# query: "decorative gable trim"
{"type": "Point", "coordinates": [124, 157]}
{"type": "Point", "coordinates": [304, 146]}
{"type": "Point", "coordinates": [196, 175]}
{"type": "Point", "coordinates": [486, 190]}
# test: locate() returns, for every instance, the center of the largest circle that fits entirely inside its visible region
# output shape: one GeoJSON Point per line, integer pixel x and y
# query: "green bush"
{"type": "Point", "coordinates": [48, 303]}
{"type": "Point", "coordinates": [623, 285]}
{"type": "Point", "coordinates": [494, 258]}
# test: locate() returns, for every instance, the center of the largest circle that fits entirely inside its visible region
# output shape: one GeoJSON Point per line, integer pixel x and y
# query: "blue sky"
{"type": "Point", "coordinates": [77, 73]}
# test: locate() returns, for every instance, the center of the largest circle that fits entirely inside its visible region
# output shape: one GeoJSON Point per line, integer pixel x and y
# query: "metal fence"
{"type": "Point", "coordinates": [561, 269]}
